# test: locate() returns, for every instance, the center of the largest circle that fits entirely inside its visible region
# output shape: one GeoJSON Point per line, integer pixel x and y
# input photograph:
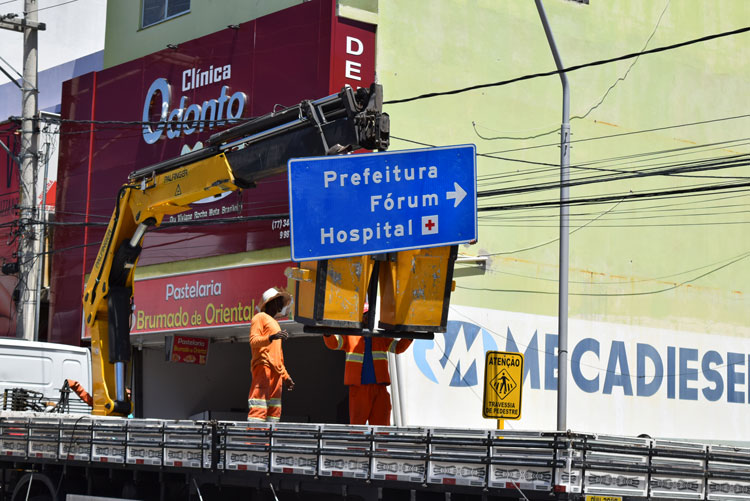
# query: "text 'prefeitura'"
{"type": "Point", "coordinates": [387, 202]}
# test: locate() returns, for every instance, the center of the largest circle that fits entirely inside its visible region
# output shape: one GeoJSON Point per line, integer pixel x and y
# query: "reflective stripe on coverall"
{"type": "Point", "coordinates": [368, 402]}
{"type": "Point", "coordinates": [268, 370]}
{"type": "Point", "coordinates": [264, 400]}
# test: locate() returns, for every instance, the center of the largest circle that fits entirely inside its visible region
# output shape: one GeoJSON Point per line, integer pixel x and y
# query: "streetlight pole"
{"type": "Point", "coordinates": [562, 319]}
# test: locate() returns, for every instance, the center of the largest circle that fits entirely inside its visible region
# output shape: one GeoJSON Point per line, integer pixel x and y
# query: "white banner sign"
{"type": "Point", "coordinates": [623, 379]}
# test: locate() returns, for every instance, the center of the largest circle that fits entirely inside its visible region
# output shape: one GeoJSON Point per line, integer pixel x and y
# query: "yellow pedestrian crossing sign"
{"type": "Point", "coordinates": [503, 385]}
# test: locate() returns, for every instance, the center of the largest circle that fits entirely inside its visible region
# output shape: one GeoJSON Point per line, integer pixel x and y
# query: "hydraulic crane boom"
{"type": "Point", "coordinates": [234, 159]}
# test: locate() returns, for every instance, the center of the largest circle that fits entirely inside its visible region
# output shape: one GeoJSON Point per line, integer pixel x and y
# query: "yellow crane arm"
{"type": "Point", "coordinates": [233, 159]}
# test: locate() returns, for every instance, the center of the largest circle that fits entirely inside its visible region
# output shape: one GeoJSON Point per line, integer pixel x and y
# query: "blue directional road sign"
{"type": "Point", "coordinates": [351, 205]}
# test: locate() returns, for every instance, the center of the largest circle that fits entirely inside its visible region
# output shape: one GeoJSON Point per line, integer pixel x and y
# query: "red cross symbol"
{"type": "Point", "coordinates": [429, 224]}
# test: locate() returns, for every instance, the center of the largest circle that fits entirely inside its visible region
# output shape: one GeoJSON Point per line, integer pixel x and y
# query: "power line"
{"type": "Point", "coordinates": [622, 134]}
{"type": "Point", "coordinates": [599, 103]}
{"type": "Point", "coordinates": [72, 247]}
{"type": "Point", "coordinates": [613, 198]}
{"type": "Point", "coordinates": [573, 68]}
{"type": "Point", "coordinates": [166, 225]}
{"type": "Point", "coordinates": [478, 154]}
{"type": "Point", "coordinates": [627, 282]}
{"type": "Point", "coordinates": [586, 165]}
{"type": "Point", "coordinates": [623, 294]}
{"type": "Point", "coordinates": [13, 80]}
{"type": "Point", "coordinates": [658, 169]}
{"type": "Point", "coordinates": [731, 260]}
{"type": "Point", "coordinates": [656, 225]}
{"type": "Point", "coordinates": [212, 123]}
{"type": "Point", "coordinates": [492, 155]}
{"type": "Point", "coordinates": [544, 218]}
{"type": "Point", "coordinates": [51, 6]}
{"type": "Point", "coordinates": [610, 163]}
{"type": "Point", "coordinates": [616, 198]}
{"type": "Point", "coordinates": [737, 161]}
{"type": "Point", "coordinates": [640, 209]}
{"type": "Point", "coordinates": [635, 60]}
{"type": "Point", "coordinates": [625, 191]}
{"type": "Point", "coordinates": [65, 223]}
{"type": "Point", "coordinates": [553, 240]}
{"type": "Point", "coordinates": [670, 207]}
{"type": "Point", "coordinates": [640, 158]}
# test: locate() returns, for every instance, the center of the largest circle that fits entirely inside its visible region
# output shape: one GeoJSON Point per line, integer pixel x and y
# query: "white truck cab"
{"type": "Point", "coordinates": [43, 368]}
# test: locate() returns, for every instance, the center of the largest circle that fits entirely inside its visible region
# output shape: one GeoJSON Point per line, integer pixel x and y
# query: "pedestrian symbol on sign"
{"type": "Point", "coordinates": [503, 384]}
{"type": "Point", "coordinates": [429, 225]}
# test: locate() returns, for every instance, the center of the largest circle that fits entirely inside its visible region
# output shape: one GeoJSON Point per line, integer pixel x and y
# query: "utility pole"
{"type": "Point", "coordinates": [562, 318]}
{"type": "Point", "coordinates": [30, 241]}
{"type": "Point", "coordinates": [28, 244]}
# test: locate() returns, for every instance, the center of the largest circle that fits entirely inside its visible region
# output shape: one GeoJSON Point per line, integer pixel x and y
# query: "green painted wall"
{"type": "Point", "coordinates": [125, 41]}
{"type": "Point", "coordinates": [366, 5]}
{"type": "Point", "coordinates": [632, 248]}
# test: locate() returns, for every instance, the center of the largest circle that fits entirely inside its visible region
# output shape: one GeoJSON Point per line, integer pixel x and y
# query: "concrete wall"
{"type": "Point", "coordinates": [178, 391]}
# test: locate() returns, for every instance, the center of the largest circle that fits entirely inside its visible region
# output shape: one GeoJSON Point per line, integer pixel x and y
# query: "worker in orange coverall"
{"type": "Point", "coordinates": [81, 392]}
{"type": "Point", "coordinates": [267, 364]}
{"type": "Point", "coordinates": [366, 374]}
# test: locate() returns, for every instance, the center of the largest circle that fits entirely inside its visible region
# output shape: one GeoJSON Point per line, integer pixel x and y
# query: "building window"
{"type": "Point", "coordinates": [156, 11]}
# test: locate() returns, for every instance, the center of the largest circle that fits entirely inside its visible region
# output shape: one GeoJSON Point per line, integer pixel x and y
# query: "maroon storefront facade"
{"type": "Point", "coordinates": [303, 52]}
{"type": "Point", "coordinates": [9, 197]}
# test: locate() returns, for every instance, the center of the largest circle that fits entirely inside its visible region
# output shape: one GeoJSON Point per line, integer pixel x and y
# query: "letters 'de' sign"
{"type": "Point", "coordinates": [503, 382]}
{"type": "Point", "coordinates": [354, 205]}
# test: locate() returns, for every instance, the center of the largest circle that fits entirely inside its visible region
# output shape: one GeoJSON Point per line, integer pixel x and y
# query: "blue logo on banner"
{"type": "Point", "coordinates": [454, 359]}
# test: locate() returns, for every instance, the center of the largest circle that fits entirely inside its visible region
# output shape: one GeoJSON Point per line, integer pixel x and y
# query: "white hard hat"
{"type": "Point", "coordinates": [272, 294]}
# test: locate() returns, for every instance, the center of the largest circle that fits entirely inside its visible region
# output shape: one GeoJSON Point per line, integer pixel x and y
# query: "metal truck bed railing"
{"type": "Point", "coordinates": [553, 462]}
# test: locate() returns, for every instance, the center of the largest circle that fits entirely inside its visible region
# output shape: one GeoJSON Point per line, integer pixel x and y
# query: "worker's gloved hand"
{"type": "Point", "coordinates": [279, 335]}
{"type": "Point", "coordinates": [289, 383]}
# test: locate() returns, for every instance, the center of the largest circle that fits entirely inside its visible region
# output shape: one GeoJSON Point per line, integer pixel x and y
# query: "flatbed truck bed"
{"type": "Point", "coordinates": [86, 455]}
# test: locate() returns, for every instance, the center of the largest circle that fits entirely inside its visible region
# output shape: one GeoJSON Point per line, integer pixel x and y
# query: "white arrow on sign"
{"type": "Point", "coordinates": [458, 194]}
